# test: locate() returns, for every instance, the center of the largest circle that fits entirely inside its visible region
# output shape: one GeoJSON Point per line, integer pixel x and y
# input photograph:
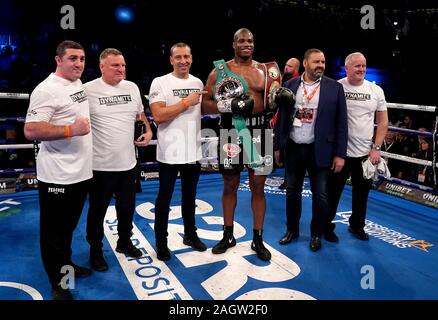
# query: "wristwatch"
{"type": "Point", "coordinates": [376, 147]}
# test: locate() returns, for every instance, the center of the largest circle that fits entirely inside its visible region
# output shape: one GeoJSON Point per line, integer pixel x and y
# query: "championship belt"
{"type": "Point", "coordinates": [272, 82]}
{"type": "Point", "coordinates": [230, 85]}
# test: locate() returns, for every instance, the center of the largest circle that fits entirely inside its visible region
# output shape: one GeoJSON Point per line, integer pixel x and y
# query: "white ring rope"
{"type": "Point", "coordinates": [30, 146]}
{"type": "Point", "coordinates": [13, 95]}
{"type": "Point", "coordinates": [16, 146]}
{"type": "Point", "coordinates": [407, 159]}
{"type": "Point", "coordinates": [418, 107]}
{"type": "Point", "coordinates": [410, 132]}
{"type": "Point", "coordinates": [210, 139]}
{"type": "Point", "coordinates": [21, 96]}
{"type": "Point", "coordinates": [404, 106]}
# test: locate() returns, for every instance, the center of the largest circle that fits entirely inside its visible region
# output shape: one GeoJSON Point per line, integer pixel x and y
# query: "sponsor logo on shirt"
{"type": "Point", "coordinates": [56, 190]}
{"type": "Point", "coordinates": [115, 100]}
{"type": "Point", "coordinates": [79, 97]}
{"type": "Point", "coordinates": [182, 93]}
{"type": "Point", "coordinates": [31, 113]}
{"type": "Point", "coordinates": [153, 95]}
{"type": "Point", "coordinates": [357, 96]}
{"type": "Point", "coordinates": [231, 149]}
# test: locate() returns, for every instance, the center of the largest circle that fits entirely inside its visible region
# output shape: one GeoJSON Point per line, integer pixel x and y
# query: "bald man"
{"type": "Point", "coordinates": [239, 74]}
{"type": "Point", "coordinates": [291, 69]}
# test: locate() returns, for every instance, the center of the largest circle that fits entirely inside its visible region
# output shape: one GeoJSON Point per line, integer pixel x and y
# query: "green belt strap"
{"type": "Point", "coordinates": [255, 160]}
{"type": "Point", "coordinates": [239, 123]}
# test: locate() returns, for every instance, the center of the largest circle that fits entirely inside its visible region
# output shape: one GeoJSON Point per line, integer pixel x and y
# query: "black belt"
{"type": "Point", "coordinates": [300, 144]}
{"type": "Point", "coordinates": [255, 121]}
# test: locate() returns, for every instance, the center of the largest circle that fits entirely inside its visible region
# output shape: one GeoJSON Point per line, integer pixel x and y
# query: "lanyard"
{"type": "Point", "coordinates": [309, 98]}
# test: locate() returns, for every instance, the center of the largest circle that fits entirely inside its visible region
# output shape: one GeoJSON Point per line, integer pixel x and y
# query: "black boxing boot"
{"type": "Point", "coordinates": [258, 246]}
{"type": "Point", "coordinates": [227, 241]}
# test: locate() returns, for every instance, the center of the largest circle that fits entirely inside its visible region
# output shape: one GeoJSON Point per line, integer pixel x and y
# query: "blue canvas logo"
{"type": "Point", "coordinates": [386, 234]}
{"type": "Point", "coordinates": [152, 279]}
{"type": "Point", "coordinates": [6, 210]}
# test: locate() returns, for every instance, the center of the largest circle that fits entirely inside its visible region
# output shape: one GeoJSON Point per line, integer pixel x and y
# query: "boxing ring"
{"type": "Point", "coordinates": [398, 262]}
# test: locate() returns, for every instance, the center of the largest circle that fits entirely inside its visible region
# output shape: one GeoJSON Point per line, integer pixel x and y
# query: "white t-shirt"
{"type": "Point", "coordinates": [59, 102]}
{"type": "Point", "coordinates": [113, 111]}
{"type": "Point", "coordinates": [179, 140]}
{"type": "Point", "coordinates": [362, 103]}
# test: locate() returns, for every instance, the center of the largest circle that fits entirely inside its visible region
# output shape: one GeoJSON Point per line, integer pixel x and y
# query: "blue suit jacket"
{"type": "Point", "coordinates": [331, 129]}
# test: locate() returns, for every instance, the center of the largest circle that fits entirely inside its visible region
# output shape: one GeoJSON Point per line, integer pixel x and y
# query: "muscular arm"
{"type": "Point", "coordinates": [44, 131]}
{"type": "Point", "coordinates": [163, 113]}
{"type": "Point", "coordinates": [209, 105]}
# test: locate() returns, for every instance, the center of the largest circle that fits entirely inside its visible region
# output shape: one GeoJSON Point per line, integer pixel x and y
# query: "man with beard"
{"type": "Point", "coordinates": [291, 69]}
{"type": "Point", "coordinates": [312, 132]}
{"type": "Point", "coordinates": [59, 117]}
{"type": "Point", "coordinates": [236, 90]}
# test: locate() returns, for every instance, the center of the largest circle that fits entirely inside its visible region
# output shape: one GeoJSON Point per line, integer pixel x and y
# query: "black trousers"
{"type": "Point", "coordinates": [361, 188]}
{"type": "Point", "coordinates": [105, 184]}
{"type": "Point", "coordinates": [300, 158]}
{"type": "Point", "coordinates": [60, 209]}
{"type": "Point", "coordinates": [189, 174]}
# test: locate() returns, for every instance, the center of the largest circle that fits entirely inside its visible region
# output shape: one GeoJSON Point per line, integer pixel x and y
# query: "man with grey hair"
{"type": "Point", "coordinates": [365, 105]}
{"type": "Point", "coordinates": [115, 106]}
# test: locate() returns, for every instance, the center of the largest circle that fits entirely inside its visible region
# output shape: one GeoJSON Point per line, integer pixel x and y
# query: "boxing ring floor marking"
{"type": "Point", "coordinates": [398, 262]}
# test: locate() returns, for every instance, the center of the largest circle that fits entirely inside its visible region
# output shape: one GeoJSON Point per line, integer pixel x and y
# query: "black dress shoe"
{"type": "Point", "coordinates": [195, 243]}
{"type": "Point", "coordinates": [129, 249]}
{"type": "Point", "coordinates": [315, 243]}
{"type": "Point", "coordinates": [80, 272]}
{"type": "Point", "coordinates": [163, 252]}
{"type": "Point", "coordinates": [58, 293]}
{"type": "Point", "coordinates": [359, 233]}
{"type": "Point", "coordinates": [97, 261]}
{"type": "Point", "coordinates": [288, 237]}
{"type": "Point", "coordinates": [331, 236]}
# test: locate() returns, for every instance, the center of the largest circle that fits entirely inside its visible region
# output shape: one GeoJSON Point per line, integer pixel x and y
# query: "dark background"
{"type": "Point", "coordinates": [282, 29]}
